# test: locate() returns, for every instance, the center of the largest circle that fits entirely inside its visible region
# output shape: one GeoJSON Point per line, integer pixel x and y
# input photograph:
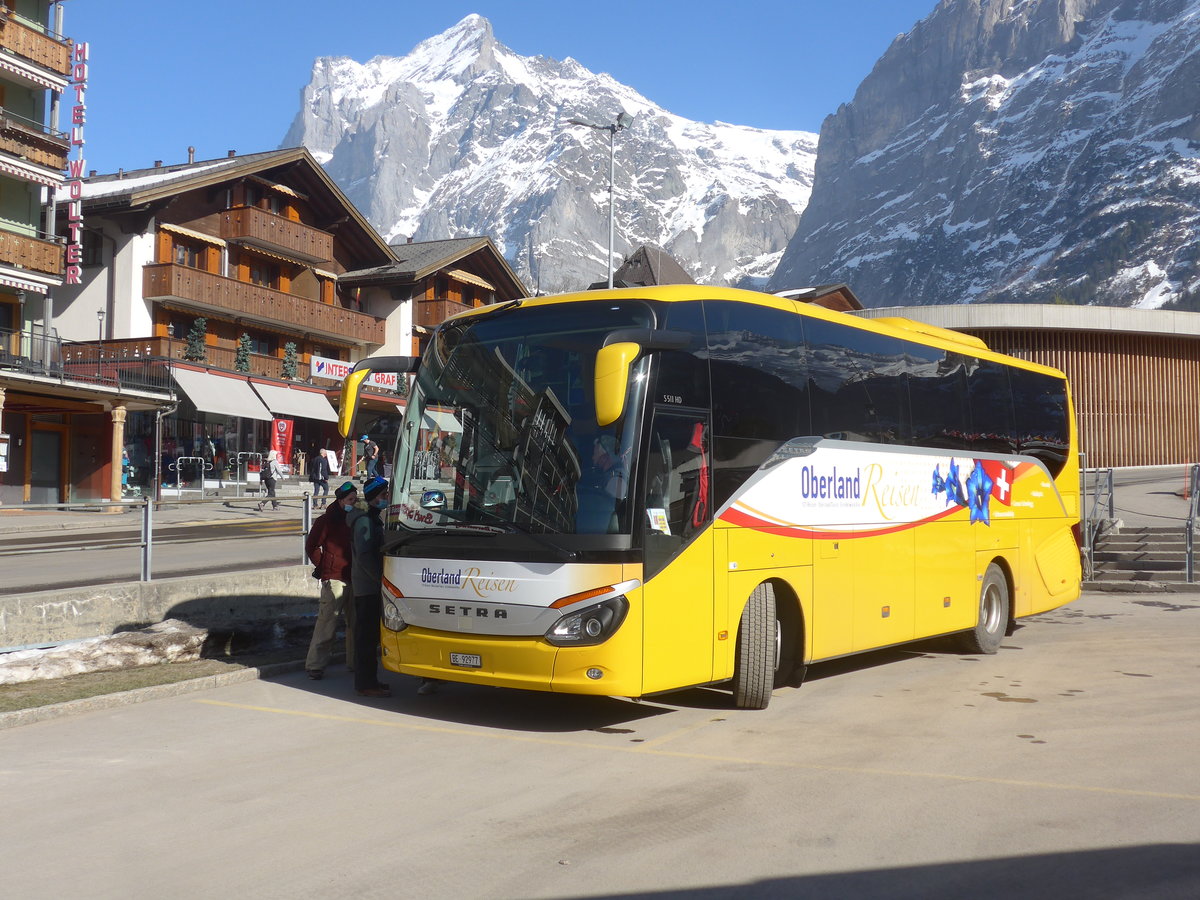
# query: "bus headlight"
{"type": "Point", "coordinates": [392, 620]}
{"type": "Point", "coordinates": [593, 625]}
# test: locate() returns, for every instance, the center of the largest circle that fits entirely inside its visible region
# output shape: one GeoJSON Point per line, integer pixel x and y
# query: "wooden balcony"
{"type": "Point", "coordinates": [31, 44]}
{"type": "Point", "coordinates": [32, 253]}
{"type": "Point", "coordinates": [259, 228]}
{"type": "Point", "coordinates": [33, 143]}
{"type": "Point", "coordinates": [204, 290]}
{"type": "Point", "coordinates": [432, 313]}
{"type": "Point", "coordinates": [172, 348]}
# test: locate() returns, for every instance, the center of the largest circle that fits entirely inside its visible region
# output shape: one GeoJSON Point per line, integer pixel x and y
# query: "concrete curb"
{"type": "Point", "coordinates": [1141, 587]}
{"type": "Point", "coordinates": [19, 717]}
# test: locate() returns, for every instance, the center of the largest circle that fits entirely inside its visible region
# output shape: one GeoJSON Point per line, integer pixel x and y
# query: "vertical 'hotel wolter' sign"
{"type": "Point", "coordinates": [77, 166]}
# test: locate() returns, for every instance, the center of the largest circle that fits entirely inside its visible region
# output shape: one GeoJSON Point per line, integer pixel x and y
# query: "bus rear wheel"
{"type": "Point", "coordinates": [992, 622]}
{"type": "Point", "coordinates": [758, 639]}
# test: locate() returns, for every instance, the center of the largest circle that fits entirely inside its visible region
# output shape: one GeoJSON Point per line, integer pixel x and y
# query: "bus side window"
{"type": "Point", "coordinates": [1040, 403]}
{"type": "Point", "coordinates": [759, 387]}
{"type": "Point", "coordinates": [859, 391]}
{"type": "Point", "coordinates": [937, 392]}
{"type": "Point", "coordinates": [991, 407]}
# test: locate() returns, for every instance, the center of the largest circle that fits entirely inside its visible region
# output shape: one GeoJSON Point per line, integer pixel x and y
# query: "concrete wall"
{"type": "Point", "coordinates": [210, 601]}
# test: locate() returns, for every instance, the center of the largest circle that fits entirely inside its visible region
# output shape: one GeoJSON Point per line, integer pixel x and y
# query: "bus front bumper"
{"type": "Point", "coordinates": [528, 663]}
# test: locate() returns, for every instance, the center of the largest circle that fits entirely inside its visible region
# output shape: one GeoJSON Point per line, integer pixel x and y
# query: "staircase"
{"type": "Point", "coordinates": [1143, 554]}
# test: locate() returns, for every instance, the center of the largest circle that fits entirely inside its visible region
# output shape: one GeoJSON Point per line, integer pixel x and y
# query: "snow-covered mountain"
{"type": "Point", "coordinates": [1016, 150]}
{"type": "Point", "coordinates": [462, 137]}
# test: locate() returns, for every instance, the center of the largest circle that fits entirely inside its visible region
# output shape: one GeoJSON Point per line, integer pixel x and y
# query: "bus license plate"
{"type": "Point", "coordinates": [466, 660]}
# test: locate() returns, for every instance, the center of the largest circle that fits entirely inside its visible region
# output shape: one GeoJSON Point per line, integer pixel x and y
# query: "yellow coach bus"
{"type": "Point", "coordinates": [635, 491]}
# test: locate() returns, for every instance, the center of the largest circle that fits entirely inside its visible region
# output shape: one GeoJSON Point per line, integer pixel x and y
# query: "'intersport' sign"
{"type": "Point", "coordinates": [337, 370]}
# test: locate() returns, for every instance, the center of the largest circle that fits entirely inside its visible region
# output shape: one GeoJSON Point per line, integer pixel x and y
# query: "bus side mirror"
{"type": "Point", "coordinates": [612, 379]}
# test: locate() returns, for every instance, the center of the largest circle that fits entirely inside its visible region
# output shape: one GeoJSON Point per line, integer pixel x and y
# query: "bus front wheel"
{"type": "Point", "coordinates": [759, 634]}
{"type": "Point", "coordinates": [992, 622]}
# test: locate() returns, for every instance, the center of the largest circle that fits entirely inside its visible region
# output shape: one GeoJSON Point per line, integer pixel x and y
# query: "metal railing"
{"type": "Point", "coordinates": [1190, 527]}
{"type": "Point", "coordinates": [189, 475]}
{"type": "Point", "coordinates": [46, 355]}
{"type": "Point", "coordinates": [248, 471]}
{"type": "Point", "coordinates": [1100, 511]}
{"type": "Point", "coordinates": [145, 510]}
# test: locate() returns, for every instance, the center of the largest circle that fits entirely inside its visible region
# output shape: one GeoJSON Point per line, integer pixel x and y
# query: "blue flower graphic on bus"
{"type": "Point", "coordinates": [976, 496]}
{"type": "Point", "coordinates": [979, 494]}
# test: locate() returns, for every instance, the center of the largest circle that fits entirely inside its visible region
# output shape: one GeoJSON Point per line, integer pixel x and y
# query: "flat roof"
{"type": "Point", "coordinates": [1045, 317]}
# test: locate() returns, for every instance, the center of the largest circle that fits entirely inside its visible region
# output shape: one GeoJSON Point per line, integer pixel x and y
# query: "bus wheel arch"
{"type": "Point", "coordinates": [790, 667]}
{"type": "Point", "coordinates": [994, 612]}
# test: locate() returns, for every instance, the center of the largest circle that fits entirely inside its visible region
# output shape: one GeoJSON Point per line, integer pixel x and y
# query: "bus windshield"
{"type": "Point", "coordinates": [500, 433]}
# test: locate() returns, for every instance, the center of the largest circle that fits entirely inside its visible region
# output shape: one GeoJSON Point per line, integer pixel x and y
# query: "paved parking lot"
{"type": "Point", "coordinates": [1068, 765]}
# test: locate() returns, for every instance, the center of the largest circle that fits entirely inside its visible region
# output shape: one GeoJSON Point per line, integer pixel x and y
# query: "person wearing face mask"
{"type": "Point", "coordinates": [366, 539]}
{"type": "Point", "coordinates": [328, 549]}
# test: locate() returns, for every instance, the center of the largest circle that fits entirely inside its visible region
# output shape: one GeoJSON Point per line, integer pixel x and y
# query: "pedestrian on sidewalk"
{"type": "Point", "coordinates": [366, 538]}
{"type": "Point", "coordinates": [272, 474]}
{"type": "Point", "coordinates": [328, 549]}
{"type": "Point", "coordinates": [371, 456]}
{"type": "Point", "coordinates": [319, 476]}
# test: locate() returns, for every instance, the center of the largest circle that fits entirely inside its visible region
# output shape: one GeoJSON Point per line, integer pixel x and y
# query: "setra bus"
{"type": "Point", "coordinates": [634, 491]}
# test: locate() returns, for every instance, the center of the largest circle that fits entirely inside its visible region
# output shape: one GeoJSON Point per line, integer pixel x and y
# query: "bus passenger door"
{"type": "Point", "coordinates": [677, 517]}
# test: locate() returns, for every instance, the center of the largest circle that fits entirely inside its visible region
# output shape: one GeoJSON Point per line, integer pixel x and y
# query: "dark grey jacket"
{"type": "Point", "coordinates": [366, 541]}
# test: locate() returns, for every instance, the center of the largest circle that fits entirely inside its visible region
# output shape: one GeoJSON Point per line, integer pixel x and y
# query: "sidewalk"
{"type": "Point", "coordinates": [1148, 497]}
{"type": "Point", "coordinates": [226, 506]}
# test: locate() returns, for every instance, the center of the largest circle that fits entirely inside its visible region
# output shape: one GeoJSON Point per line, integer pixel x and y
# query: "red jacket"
{"type": "Point", "coordinates": [328, 545]}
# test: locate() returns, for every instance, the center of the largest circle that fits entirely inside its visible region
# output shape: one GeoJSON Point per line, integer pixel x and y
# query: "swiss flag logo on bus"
{"type": "Point", "coordinates": [1002, 476]}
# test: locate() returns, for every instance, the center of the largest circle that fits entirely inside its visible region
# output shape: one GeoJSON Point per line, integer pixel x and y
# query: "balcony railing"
{"type": "Point", "coordinates": [32, 141]}
{"type": "Point", "coordinates": [199, 289]}
{"type": "Point", "coordinates": [260, 228]}
{"type": "Point", "coordinates": [32, 253]}
{"type": "Point", "coordinates": [431, 313]}
{"type": "Point", "coordinates": [34, 45]}
{"type": "Point", "coordinates": [217, 357]}
{"type": "Point", "coordinates": [46, 356]}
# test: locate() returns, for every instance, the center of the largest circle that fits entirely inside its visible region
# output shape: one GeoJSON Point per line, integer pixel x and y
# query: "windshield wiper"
{"type": "Point", "coordinates": [509, 526]}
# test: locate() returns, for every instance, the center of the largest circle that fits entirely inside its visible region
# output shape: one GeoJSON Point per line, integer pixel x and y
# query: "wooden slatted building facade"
{"type": "Point", "coordinates": [1134, 374]}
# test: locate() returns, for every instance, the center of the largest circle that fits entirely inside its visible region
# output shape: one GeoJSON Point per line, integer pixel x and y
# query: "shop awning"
{"type": "Point", "coordinates": [225, 396]}
{"type": "Point", "coordinates": [286, 401]}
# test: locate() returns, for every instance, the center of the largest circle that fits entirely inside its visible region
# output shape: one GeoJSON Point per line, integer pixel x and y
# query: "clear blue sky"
{"type": "Point", "coordinates": [227, 74]}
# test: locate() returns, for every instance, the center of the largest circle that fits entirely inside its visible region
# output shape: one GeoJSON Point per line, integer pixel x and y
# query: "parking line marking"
{"type": "Point", "coordinates": [646, 749]}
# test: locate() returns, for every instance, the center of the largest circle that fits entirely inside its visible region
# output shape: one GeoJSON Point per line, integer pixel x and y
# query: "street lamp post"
{"type": "Point", "coordinates": [624, 120]}
{"type": "Point", "coordinates": [99, 339]}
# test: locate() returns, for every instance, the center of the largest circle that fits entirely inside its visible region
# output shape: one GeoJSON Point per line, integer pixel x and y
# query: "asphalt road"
{"type": "Point", "coordinates": [49, 560]}
{"type": "Point", "coordinates": [1064, 766]}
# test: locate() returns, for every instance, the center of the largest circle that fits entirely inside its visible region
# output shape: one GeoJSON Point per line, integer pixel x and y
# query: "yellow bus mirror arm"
{"type": "Point", "coordinates": [349, 404]}
{"type": "Point", "coordinates": [612, 380]}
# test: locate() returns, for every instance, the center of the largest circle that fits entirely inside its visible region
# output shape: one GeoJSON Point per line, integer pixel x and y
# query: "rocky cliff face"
{"type": "Point", "coordinates": [464, 137]}
{"type": "Point", "coordinates": [1016, 151]}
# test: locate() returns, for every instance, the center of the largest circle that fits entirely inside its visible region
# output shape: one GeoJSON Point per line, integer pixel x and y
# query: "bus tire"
{"type": "Point", "coordinates": [757, 650]}
{"type": "Point", "coordinates": [992, 622]}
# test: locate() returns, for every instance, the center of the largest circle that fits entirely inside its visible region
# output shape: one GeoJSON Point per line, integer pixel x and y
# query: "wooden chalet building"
{"type": "Point", "coordinates": [233, 274]}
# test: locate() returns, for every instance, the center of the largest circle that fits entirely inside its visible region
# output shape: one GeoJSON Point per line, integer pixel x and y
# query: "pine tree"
{"type": "Point", "coordinates": [291, 363]}
{"type": "Point", "coordinates": [195, 349]}
{"type": "Point", "coordinates": [241, 361]}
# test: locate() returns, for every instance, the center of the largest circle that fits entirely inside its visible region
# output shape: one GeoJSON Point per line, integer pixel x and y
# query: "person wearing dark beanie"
{"type": "Point", "coordinates": [366, 539]}
{"type": "Point", "coordinates": [328, 548]}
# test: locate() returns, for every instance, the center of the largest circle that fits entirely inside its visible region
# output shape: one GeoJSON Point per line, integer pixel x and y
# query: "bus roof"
{"type": "Point", "coordinates": [895, 326]}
